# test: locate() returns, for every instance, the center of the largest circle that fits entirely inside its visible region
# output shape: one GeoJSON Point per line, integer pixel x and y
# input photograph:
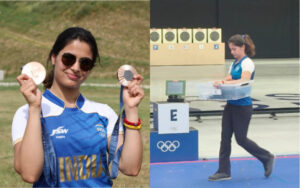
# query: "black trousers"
{"type": "Point", "coordinates": [236, 120]}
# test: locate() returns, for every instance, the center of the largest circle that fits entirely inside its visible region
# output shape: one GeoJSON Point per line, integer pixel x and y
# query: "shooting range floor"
{"type": "Point", "coordinates": [280, 137]}
{"type": "Point", "coordinates": [276, 86]}
{"type": "Point", "coordinates": [245, 172]}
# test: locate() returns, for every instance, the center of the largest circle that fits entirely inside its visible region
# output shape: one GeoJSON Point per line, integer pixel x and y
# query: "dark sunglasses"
{"type": "Point", "coordinates": [69, 59]}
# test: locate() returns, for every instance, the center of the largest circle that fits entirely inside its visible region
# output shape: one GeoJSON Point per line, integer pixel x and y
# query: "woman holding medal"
{"type": "Point", "coordinates": [237, 113]}
{"type": "Point", "coordinates": [61, 138]}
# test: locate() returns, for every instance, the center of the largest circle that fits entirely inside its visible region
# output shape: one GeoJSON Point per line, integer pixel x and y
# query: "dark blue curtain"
{"type": "Point", "coordinates": [272, 24]}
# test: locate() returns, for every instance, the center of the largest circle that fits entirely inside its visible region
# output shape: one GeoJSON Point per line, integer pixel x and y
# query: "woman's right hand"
{"type": "Point", "coordinates": [30, 91]}
{"type": "Point", "coordinates": [217, 83]}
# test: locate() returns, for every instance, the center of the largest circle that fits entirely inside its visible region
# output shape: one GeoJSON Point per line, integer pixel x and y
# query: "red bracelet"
{"type": "Point", "coordinates": [131, 123]}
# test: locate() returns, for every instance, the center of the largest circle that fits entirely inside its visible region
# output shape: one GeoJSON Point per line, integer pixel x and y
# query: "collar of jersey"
{"type": "Point", "coordinates": [236, 63]}
{"type": "Point", "coordinates": [50, 96]}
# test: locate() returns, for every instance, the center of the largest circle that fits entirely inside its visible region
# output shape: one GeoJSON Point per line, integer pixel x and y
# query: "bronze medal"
{"type": "Point", "coordinates": [125, 74]}
{"type": "Point", "coordinates": [36, 71]}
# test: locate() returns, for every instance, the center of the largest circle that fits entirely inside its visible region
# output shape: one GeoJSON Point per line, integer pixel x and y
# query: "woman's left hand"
{"type": "Point", "coordinates": [133, 93]}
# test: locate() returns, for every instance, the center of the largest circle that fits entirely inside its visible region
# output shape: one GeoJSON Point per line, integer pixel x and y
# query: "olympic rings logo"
{"type": "Point", "coordinates": [168, 145]}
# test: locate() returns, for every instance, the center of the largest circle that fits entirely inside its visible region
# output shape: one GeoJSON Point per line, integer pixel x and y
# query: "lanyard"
{"type": "Point", "coordinates": [50, 167]}
{"type": "Point", "coordinates": [114, 157]}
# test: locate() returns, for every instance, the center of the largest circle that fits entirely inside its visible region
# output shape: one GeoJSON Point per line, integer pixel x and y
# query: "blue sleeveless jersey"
{"type": "Point", "coordinates": [236, 73]}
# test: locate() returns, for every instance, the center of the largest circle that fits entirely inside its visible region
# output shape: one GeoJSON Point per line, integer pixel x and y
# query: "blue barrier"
{"type": "Point", "coordinates": [173, 147]}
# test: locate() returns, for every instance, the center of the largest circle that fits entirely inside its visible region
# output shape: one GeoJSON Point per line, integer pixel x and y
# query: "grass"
{"type": "Point", "coordinates": [14, 99]}
{"type": "Point", "coordinates": [29, 29]}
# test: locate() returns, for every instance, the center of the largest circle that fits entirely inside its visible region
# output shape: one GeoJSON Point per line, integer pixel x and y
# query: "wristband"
{"type": "Point", "coordinates": [133, 127]}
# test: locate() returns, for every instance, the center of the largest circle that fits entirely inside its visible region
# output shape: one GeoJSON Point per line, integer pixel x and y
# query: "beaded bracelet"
{"type": "Point", "coordinates": [132, 123]}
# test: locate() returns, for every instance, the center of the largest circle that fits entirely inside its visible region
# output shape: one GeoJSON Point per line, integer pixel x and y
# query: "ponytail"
{"type": "Point", "coordinates": [250, 47]}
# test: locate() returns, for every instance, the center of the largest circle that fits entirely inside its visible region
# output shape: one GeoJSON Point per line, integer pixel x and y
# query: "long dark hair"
{"type": "Point", "coordinates": [63, 39]}
{"type": "Point", "coordinates": [245, 39]}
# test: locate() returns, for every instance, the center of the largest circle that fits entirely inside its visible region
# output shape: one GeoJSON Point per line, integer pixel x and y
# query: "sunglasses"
{"type": "Point", "coordinates": [69, 59]}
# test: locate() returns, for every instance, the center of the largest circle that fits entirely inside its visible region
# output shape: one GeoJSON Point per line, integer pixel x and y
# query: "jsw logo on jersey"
{"type": "Point", "coordinates": [59, 130]}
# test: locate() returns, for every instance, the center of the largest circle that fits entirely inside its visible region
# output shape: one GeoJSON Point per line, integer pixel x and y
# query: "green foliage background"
{"type": "Point", "coordinates": [28, 31]}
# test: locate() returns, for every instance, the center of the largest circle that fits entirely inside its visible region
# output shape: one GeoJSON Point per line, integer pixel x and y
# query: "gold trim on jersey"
{"type": "Point", "coordinates": [17, 141]}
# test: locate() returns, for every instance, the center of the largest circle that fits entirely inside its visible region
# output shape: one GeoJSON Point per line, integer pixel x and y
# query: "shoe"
{"type": "Point", "coordinates": [269, 166]}
{"type": "Point", "coordinates": [219, 176]}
